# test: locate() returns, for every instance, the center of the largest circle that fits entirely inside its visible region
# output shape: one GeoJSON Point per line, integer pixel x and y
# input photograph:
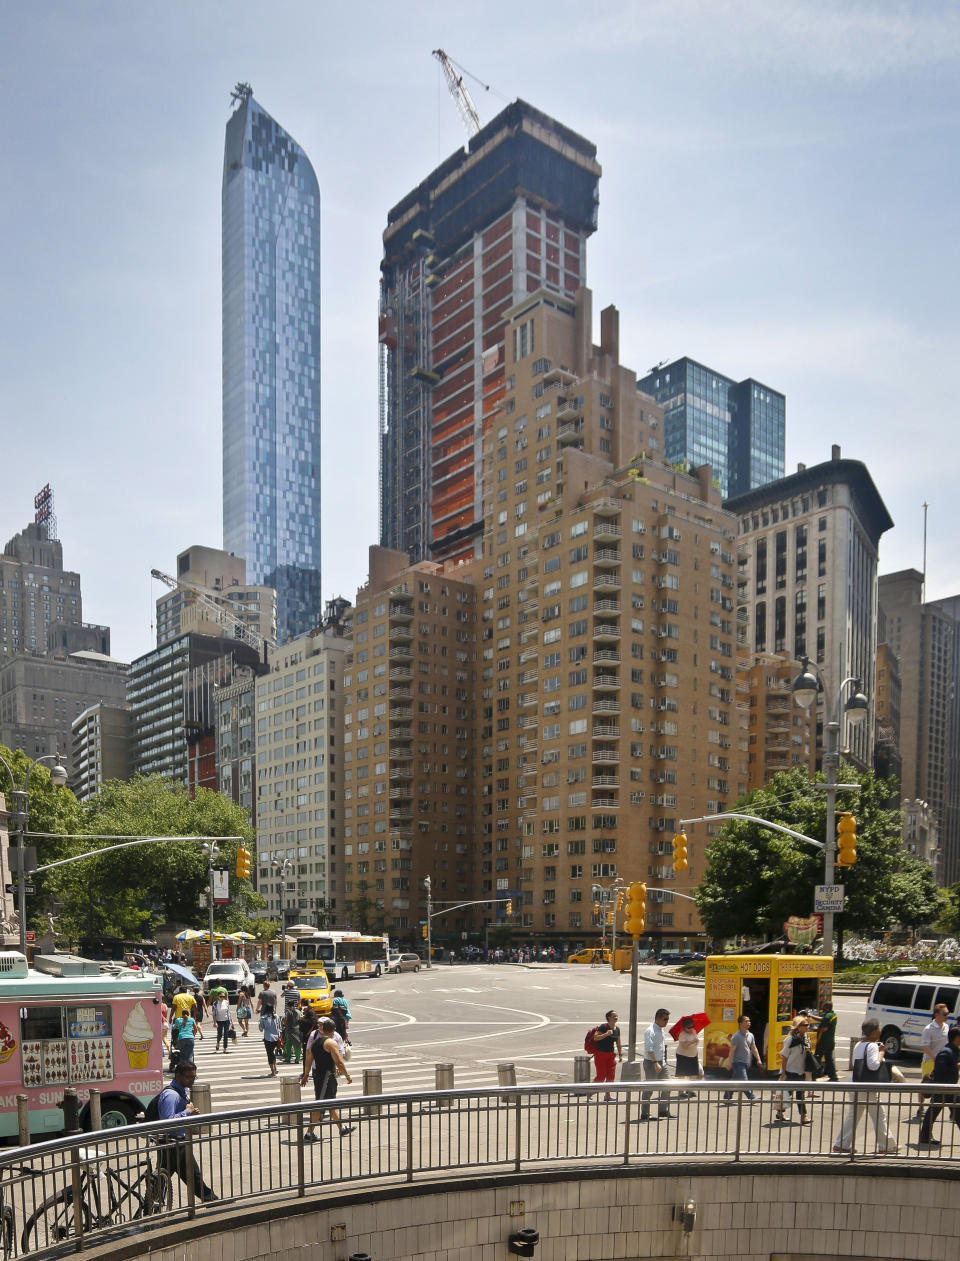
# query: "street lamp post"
{"type": "Point", "coordinates": [428, 885]}
{"type": "Point", "coordinates": [283, 866]}
{"type": "Point", "coordinates": [211, 849]}
{"type": "Point", "coordinates": [21, 806]}
{"type": "Point", "coordinates": [806, 688]}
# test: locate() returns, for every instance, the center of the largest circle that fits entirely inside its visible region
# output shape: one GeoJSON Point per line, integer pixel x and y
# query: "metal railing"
{"type": "Point", "coordinates": [67, 1194]}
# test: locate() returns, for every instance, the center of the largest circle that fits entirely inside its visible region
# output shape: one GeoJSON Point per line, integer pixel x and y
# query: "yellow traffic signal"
{"type": "Point", "coordinates": [509, 906]}
{"type": "Point", "coordinates": [619, 903]}
{"type": "Point", "coordinates": [423, 931]}
{"type": "Point", "coordinates": [596, 908]}
{"type": "Point", "coordinates": [243, 862]}
{"type": "Point", "coordinates": [636, 909]}
{"type": "Point", "coordinates": [846, 840]}
{"type": "Point", "coordinates": [680, 851]}
{"type": "Point", "coordinates": [610, 915]}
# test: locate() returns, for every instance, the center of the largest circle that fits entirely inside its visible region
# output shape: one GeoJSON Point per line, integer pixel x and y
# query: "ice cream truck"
{"type": "Point", "coordinates": [771, 990]}
{"type": "Point", "coordinates": [63, 1023]}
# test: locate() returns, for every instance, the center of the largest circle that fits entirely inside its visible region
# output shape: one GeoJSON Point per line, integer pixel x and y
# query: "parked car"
{"type": "Point", "coordinates": [228, 974]}
{"type": "Point", "coordinates": [404, 963]}
{"type": "Point", "coordinates": [259, 970]}
{"type": "Point", "coordinates": [278, 969]}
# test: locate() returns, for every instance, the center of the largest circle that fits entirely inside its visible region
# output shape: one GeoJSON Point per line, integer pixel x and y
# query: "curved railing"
{"type": "Point", "coordinates": [67, 1194]}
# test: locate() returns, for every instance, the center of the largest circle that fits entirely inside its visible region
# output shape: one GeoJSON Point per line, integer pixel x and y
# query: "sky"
{"type": "Point", "coordinates": [778, 200]}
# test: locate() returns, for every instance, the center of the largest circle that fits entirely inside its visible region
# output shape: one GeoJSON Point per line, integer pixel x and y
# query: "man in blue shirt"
{"type": "Point", "coordinates": [175, 1155]}
{"type": "Point", "coordinates": [655, 1065]}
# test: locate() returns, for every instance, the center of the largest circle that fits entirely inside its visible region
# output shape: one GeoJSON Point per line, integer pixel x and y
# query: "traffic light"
{"type": "Point", "coordinates": [509, 906]}
{"type": "Point", "coordinates": [610, 915]}
{"type": "Point", "coordinates": [423, 931]}
{"type": "Point", "coordinates": [636, 909]}
{"type": "Point", "coordinates": [846, 840]}
{"type": "Point", "coordinates": [680, 851]}
{"type": "Point", "coordinates": [243, 861]}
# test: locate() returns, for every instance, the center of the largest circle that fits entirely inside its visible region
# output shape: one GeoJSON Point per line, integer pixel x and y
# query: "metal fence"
{"type": "Point", "coordinates": [64, 1195]}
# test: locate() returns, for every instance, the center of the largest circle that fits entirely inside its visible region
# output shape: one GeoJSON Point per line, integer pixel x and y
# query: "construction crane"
{"type": "Point", "coordinates": [458, 90]}
{"type": "Point", "coordinates": [218, 612]}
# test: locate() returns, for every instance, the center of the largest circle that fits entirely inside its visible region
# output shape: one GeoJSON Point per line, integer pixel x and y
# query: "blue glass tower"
{"type": "Point", "coordinates": [271, 362]}
{"type": "Point", "coordinates": [738, 428]}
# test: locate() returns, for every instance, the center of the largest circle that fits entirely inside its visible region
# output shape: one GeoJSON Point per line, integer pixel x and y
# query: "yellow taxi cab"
{"type": "Point", "coordinates": [593, 954]}
{"type": "Point", "coordinates": [315, 988]}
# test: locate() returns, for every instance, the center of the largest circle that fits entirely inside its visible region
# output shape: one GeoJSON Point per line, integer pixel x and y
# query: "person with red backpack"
{"type": "Point", "coordinates": [603, 1043]}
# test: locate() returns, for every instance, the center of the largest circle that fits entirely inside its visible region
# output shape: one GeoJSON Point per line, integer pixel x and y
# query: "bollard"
{"type": "Point", "coordinates": [581, 1068]}
{"type": "Point", "coordinates": [290, 1092]}
{"type": "Point", "coordinates": [71, 1111]}
{"type": "Point", "coordinates": [372, 1085]}
{"type": "Point", "coordinates": [23, 1119]}
{"type": "Point", "coordinates": [96, 1116]}
{"type": "Point", "coordinates": [443, 1076]}
{"type": "Point", "coordinates": [200, 1096]}
{"type": "Point", "coordinates": [359, 1256]}
{"type": "Point", "coordinates": [506, 1075]}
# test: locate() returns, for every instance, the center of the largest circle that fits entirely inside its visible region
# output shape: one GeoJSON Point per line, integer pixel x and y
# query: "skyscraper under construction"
{"type": "Point", "coordinates": [503, 218]}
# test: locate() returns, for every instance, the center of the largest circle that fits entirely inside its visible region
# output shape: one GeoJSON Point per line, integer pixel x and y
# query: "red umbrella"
{"type": "Point", "coordinates": [700, 1021]}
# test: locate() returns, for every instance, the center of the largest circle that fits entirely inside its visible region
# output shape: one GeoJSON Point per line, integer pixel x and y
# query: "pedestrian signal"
{"type": "Point", "coordinates": [680, 851]}
{"type": "Point", "coordinates": [846, 840]}
{"type": "Point", "coordinates": [636, 909]}
{"type": "Point", "coordinates": [243, 861]}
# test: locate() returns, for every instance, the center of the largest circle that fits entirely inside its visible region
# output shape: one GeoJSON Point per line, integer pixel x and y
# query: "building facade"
{"type": "Point", "coordinates": [36, 593]}
{"type": "Point", "coordinates": [737, 427]}
{"type": "Point", "coordinates": [271, 362]}
{"type": "Point", "coordinates": [101, 749]}
{"type": "Point", "coordinates": [40, 696]}
{"type": "Point", "coordinates": [508, 215]}
{"type": "Point", "coordinates": [807, 583]}
{"type": "Point", "coordinates": [410, 800]}
{"type": "Point", "coordinates": [221, 579]}
{"type": "Point", "coordinates": [924, 637]}
{"type": "Point", "coordinates": [299, 757]}
{"type": "Point", "coordinates": [781, 734]}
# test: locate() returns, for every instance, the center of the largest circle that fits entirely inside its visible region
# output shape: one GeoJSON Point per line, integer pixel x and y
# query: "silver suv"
{"type": "Point", "coordinates": [228, 974]}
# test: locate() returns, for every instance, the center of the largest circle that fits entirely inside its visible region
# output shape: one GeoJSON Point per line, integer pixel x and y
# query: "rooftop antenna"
{"type": "Point", "coordinates": [923, 585]}
{"type": "Point", "coordinates": [241, 94]}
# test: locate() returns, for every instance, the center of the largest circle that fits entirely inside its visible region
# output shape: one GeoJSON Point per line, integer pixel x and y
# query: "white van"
{"type": "Point", "coordinates": [903, 1002]}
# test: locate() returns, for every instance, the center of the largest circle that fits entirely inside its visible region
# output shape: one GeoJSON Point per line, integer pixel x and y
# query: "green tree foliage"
{"type": "Point", "coordinates": [949, 920]}
{"type": "Point", "coordinates": [127, 892]}
{"type": "Point", "coordinates": [755, 879]}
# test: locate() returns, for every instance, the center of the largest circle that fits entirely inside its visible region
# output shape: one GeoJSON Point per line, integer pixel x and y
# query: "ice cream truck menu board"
{"type": "Point", "coordinates": [64, 1044]}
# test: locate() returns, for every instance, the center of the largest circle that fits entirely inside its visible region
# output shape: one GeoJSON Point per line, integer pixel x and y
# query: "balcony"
{"type": "Point", "coordinates": [528, 723]}
{"type": "Point", "coordinates": [401, 654]}
{"type": "Point", "coordinates": [605, 631]}
{"type": "Point", "coordinates": [606, 605]}
{"type": "Point", "coordinates": [399, 695]}
{"type": "Point", "coordinates": [606, 707]}
{"type": "Point", "coordinates": [605, 683]}
{"type": "Point", "coordinates": [401, 831]}
{"type": "Point", "coordinates": [606, 654]}
{"type": "Point", "coordinates": [400, 772]}
{"type": "Point", "coordinates": [604, 530]}
{"type": "Point", "coordinates": [528, 676]}
{"type": "Point", "coordinates": [401, 794]}
{"type": "Point", "coordinates": [401, 609]}
{"type": "Point", "coordinates": [605, 755]}
{"type": "Point", "coordinates": [604, 556]}
{"type": "Point", "coordinates": [401, 711]}
{"type": "Point", "coordinates": [400, 814]}
{"type": "Point", "coordinates": [401, 634]}
{"type": "Point", "coordinates": [606, 582]}
{"type": "Point", "coordinates": [526, 699]}
{"type": "Point", "coordinates": [572, 431]}
{"type": "Point", "coordinates": [401, 755]}
{"type": "Point", "coordinates": [401, 733]}
{"type": "Point", "coordinates": [605, 801]}
{"type": "Point", "coordinates": [399, 674]}
{"type": "Point", "coordinates": [605, 781]}
{"type": "Point", "coordinates": [606, 731]}
{"type": "Point", "coordinates": [605, 508]}
{"type": "Point", "coordinates": [529, 654]}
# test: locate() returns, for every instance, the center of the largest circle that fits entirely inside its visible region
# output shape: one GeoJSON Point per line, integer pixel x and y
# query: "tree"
{"type": "Point", "coordinates": [755, 879]}
{"type": "Point", "coordinates": [127, 892]}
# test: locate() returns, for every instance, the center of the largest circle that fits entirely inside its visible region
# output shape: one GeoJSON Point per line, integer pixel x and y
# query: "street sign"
{"type": "Point", "coordinates": [828, 897]}
{"type": "Point", "coordinates": [221, 887]}
{"type": "Point", "coordinates": [27, 888]}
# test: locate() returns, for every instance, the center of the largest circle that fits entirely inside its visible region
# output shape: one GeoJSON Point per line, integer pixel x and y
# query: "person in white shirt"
{"type": "Point", "coordinates": [655, 1065]}
{"type": "Point", "coordinates": [868, 1065]}
{"type": "Point", "coordinates": [221, 1016]}
{"type": "Point", "coordinates": [932, 1041]}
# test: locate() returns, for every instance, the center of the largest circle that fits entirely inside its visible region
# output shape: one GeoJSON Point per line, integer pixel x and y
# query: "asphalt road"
{"type": "Point", "coordinates": [476, 1016]}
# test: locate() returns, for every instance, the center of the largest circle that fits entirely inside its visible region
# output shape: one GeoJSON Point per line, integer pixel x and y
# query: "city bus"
{"type": "Point", "coordinates": [343, 954]}
{"type": "Point", "coordinates": [63, 1023]}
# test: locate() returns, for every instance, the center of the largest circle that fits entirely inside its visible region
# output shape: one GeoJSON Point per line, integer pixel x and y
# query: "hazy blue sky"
{"type": "Point", "coordinates": [779, 199]}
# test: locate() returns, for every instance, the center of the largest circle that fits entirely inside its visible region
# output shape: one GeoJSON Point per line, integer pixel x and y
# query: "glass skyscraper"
{"type": "Point", "coordinates": [271, 362]}
{"type": "Point", "coordinates": [738, 428]}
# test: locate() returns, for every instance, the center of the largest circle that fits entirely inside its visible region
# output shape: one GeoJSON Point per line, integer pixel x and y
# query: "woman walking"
{"type": "Point", "coordinates": [244, 1011]}
{"type": "Point", "coordinates": [868, 1065]}
{"type": "Point", "coordinates": [793, 1062]}
{"type": "Point", "coordinates": [688, 1052]}
{"type": "Point", "coordinates": [221, 1016]}
{"type": "Point", "coordinates": [270, 1028]}
{"type": "Point", "coordinates": [185, 1031]}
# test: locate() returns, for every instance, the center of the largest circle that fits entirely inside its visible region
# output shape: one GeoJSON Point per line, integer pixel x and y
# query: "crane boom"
{"type": "Point", "coordinates": [218, 612]}
{"type": "Point", "coordinates": [458, 90]}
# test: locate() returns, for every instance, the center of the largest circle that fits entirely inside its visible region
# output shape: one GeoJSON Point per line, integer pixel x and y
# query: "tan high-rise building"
{"type": "Point", "coordinates": [409, 768]}
{"type": "Point", "coordinates": [607, 647]}
{"type": "Point", "coordinates": [781, 734]}
{"type": "Point", "coordinates": [221, 578]}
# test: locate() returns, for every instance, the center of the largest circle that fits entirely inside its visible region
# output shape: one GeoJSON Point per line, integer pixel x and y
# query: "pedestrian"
{"type": "Point", "coordinates": [323, 1059]}
{"type": "Point", "coordinates": [201, 1006]}
{"type": "Point", "coordinates": [655, 1065]}
{"type": "Point", "coordinates": [308, 1021]}
{"type": "Point", "coordinates": [793, 1066]}
{"type": "Point", "coordinates": [175, 1155]}
{"type": "Point", "coordinates": [267, 1001]}
{"type": "Point", "coordinates": [165, 1025]}
{"type": "Point", "coordinates": [827, 1041]}
{"type": "Point", "coordinates": [688, 1053]}
{"type": "Point", "coordinates": [185, 1032]}
{"type": "Point", "coordinates": [183, 1001]}
{"type": "Point", "coordinates": [244, 1012]}
{"type": "Point", "coordinates": [946, 1072]}
{"type": "Point", "coordinates": [932, 1041]}
{"type": "Point", "coordinates": [291, 1024]}
{"type": "Point", "coordinates": [270, 1028]}
{"type": "Point", "coordinates": [221, 1016]}
{"type": "Point", "coordinates": [606, 1050]}
{"type": "Point", "coordinates": [344, 1006]}
{"type": "Point", "coordinates": [868, 1065]}
{"type": "Point", "coordinates": [743, 1055]}
{"type": "Point", "coordinates": [340, 1023]}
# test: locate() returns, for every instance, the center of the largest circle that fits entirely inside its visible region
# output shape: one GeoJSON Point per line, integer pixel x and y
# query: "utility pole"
{"type": "Point", "coordinates": [428, 885]}
{"type": "Point", "coordinates": [211, 849]}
